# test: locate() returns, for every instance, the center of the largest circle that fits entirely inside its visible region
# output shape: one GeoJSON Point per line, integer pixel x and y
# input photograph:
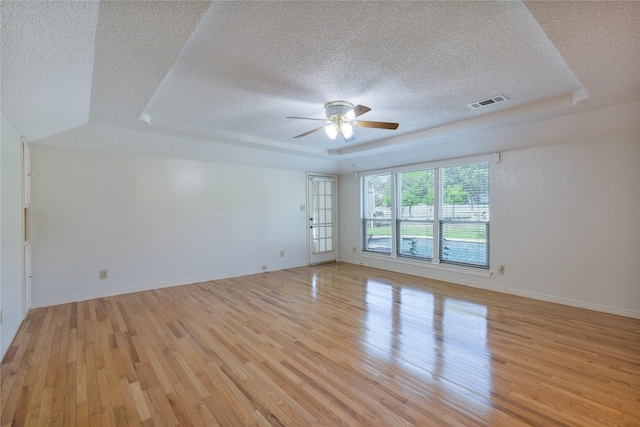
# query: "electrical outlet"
{"type": "Point", "coordinates": [103, 274]}
{"type": "Point", "coordinates": [354, 249]}
{"type": "Point", "coordinates": [281, 254]}
{"type": "Point", "coordinates": [264, 267]}
{"type": "Point", "coordinates": [501, 269]}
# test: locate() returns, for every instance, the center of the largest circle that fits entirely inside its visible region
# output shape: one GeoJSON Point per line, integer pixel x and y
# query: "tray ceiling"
{"type": "Point", "coordinates": [230, 72]}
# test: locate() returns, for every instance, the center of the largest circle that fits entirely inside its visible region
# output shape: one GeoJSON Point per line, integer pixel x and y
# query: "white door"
{"type": "Point", "coordinates": [27, 278]}
{"type": "Point", "coordinates": [26, 228]}
{"type": "Point", "coordinates": [322, 218]}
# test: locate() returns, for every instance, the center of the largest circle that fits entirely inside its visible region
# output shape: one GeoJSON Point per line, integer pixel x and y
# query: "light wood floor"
{"type": "Point", "coordinates": [329, 345]}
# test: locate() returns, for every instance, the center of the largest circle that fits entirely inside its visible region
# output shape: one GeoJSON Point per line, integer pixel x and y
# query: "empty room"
{"type": "Point", "coordinates": [320, 213]}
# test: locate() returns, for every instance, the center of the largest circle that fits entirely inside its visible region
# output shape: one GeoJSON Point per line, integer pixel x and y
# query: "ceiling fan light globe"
{"type": "Point", "coordinates": [349, 115]}
{"type": "Point", "coordinates": [331, 130]}
{"type": "Point", "coordinates": [347, 130]}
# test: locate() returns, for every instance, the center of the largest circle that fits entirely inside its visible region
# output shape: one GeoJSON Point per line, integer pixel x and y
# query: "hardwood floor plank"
{"type": "Point", "coordinates": [233, 392]}
{"type": "Point", "coordinates": [45, 407]}
{"type": "Point", "coordinates": [331, 345]}
{"type": "Point", "coordinates": [69, 397]}
{"type": "Point", "coordinates": [82, 414]}
{"type": "Point", "coordinates": [128, 401]}
{"type": "Point", "coordinates": [140, 401]}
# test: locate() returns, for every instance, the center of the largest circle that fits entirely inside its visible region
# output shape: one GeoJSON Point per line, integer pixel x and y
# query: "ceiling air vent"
{"type": "Point", "coordinates": [487, 102]}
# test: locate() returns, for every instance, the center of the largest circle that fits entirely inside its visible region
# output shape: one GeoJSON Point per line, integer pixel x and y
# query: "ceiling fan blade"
{"type": "Point", "coordinates": [360, 110]}
{"type": "Point", "coordinates": [377, 125]}
{"type": "Point", "coordinates": [310, 132]}
{"type": "Point", "coordinates": [307, 118]}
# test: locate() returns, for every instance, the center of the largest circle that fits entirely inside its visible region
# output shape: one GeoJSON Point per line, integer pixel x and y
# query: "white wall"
{"type": "Point", "coordinates": [10, 234]}
{"type": "Point", "coordinates": [154, 222]}
{"type": "Point", "coordinates": [565, 223]}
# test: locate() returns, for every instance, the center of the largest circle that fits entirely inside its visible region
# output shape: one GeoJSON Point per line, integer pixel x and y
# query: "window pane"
{"type": "Point", "coordinates": [415, 239]}
{"type": "Point", "coordinates": [377, 236]}
{"type": "Point", "coordinates": [415, 195]}
{"type": "Point", "coordinates": [465, 193]}
{"type": "Point", "coordinates": [465, 243]}
{"type": "Point", "coordinates": [377, 197]}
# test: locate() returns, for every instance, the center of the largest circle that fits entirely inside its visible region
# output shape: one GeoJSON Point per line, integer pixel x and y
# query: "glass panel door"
{"type": "Point", "coordinates": [322, 238]}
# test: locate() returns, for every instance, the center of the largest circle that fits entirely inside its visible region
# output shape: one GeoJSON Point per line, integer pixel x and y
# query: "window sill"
{"type": "Point", "coordinates": [430, 265]}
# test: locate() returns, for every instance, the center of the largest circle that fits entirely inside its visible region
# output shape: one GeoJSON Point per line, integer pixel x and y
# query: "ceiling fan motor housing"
{"type": "Point", "coordinates": [339, 108]}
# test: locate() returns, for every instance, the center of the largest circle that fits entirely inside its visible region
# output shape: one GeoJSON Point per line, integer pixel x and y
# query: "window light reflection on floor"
{"type": "Point", "coordinates": [438, 339]}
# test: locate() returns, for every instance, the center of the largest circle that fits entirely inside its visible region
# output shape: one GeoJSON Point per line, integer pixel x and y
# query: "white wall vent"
{"type": "Point", "coordinates": [487, 102]}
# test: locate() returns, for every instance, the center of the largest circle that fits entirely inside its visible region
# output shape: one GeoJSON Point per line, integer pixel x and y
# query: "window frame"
{"type": "Point", "coordinates": [436, 260]}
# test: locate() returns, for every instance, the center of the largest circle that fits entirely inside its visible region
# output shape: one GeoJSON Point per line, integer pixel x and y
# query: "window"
{"type": "Point", "coordinates": [414, 219]}
{"type": "Point", "coordinates": [464, 215]}
{"type": "Point", "coordinates": [438, 214]}
{"type": "Point", "coordinates": [376, 215]}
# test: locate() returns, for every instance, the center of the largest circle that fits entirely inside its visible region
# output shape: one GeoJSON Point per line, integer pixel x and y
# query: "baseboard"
{"type": "Point", "coordinates": [8, 339]}
{"type": "Point", "coordinates": [152, 286]}
{"type": "Point", "coordinates": [567, 301]}
{"type": "Point", "coordinates": [553, 299]}
{"type": "Point", "coordinates": [526, 294]}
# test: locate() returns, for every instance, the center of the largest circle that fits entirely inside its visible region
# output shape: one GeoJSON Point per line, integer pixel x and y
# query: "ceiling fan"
{"type": "Point", "coordinates": [341, 119]}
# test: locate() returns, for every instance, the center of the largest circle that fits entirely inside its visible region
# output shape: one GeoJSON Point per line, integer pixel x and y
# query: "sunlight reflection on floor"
{"type": "Point", "coordinates": [437, 339]}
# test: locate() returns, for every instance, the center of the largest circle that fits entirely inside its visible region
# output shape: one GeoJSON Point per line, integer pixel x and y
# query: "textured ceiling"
{"type": "Point", "coordinates": [215, 80]}
{"type": "Point", "coordinates": [47, 64]}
